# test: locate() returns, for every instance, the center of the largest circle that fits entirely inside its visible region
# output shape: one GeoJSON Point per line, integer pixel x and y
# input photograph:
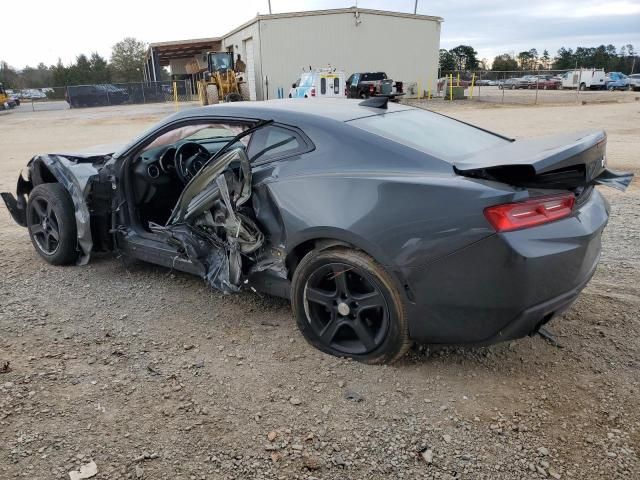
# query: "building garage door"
{"type": "Point", "coordinates": [251, 71]}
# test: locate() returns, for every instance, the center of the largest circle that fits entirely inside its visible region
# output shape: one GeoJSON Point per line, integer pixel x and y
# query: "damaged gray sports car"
{"type": "Point", "coordinates": [380, 222]}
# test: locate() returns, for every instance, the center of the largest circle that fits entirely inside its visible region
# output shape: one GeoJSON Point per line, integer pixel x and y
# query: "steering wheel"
{"type": "Point", "coordinates": [189, 159]}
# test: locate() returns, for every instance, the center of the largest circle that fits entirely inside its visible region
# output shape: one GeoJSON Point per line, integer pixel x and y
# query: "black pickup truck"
{"type": "Point", "coordinates": [368, 84]}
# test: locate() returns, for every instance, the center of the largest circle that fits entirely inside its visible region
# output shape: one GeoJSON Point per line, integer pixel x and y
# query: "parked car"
{"type": "Point", "coordinates": [546, 82]}
{"type": "Point", "coordinates": [33, 94]}
{"type": "Point", "coordinates": [634, 81]}
{"type": "Point", "coordinates": [616, 81]}
{"type": "Point", "coordinates": [510, 84]}
{"type": "Point", "coordinates": [448, 243]}
{"type": "Point", "coordinates": [486, 83]}
{"type": "Point", "coordinates": [368, 84]}
{"type": "Point", "coordinates": [95, 95]}
{"type": "Point", "coordinates": [322, 82]}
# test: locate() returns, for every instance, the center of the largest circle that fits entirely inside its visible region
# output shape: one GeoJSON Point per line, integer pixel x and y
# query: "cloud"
{"type": "Point", "coordinates": [69, 27]}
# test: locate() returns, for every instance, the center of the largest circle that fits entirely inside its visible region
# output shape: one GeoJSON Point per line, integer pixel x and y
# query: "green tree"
{"type": "Point", "coordinates": [35, 77]}
{"type": "Point", "coordinates": [8, 76]}
{"type": "Point", "coordinates": [465, 57]}
{"type": "Point", "coordinates": [447, 62]}
{"type": "Point", "coordinates": [528, 60]}
{"type": "Point", "coordinates": [545, 59]}
{"type": "Point", "coordinates": [81, 71]}
{"type": "Point", "coordinates": [100, 71]}
{"type": "Point", "coordinates": [127, 58]}
{"type": "Point", "coordinates": [564, 59]}
{"type": "Point", "coordinates": [504, 62]}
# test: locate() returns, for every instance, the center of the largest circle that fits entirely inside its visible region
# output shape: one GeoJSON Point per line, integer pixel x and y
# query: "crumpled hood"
{"type": "Point", "coordinates": [95, 151]}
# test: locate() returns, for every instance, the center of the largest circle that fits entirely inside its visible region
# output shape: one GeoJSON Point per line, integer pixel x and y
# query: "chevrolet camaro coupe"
{"type": "Point", "coordinates": [382, 223]}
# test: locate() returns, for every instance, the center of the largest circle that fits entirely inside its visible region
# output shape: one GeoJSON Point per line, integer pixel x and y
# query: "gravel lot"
{"type": "Point", "coordinates": [150, 374]}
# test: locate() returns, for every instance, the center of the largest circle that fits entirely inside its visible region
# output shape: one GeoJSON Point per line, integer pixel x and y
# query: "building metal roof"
{"type": "Point", "coordinates": [333, 11]}
{"type": "Point", "coordinates": [183, 48]}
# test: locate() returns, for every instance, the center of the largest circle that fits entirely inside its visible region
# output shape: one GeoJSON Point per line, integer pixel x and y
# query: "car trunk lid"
{"type": "Point", "coordinates": [566, 161]}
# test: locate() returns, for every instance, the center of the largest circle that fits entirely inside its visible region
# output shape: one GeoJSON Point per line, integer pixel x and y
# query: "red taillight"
{"type": "Point", "coordinates": [532, 212]}
{"type": "Point", "coordinates": [313, 91]}
{"type": "Point", "coordinates": [371, 88]}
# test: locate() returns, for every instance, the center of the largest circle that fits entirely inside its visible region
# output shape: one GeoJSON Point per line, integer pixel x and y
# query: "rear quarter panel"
{"type": "Point", "coordinates": [399, 205]}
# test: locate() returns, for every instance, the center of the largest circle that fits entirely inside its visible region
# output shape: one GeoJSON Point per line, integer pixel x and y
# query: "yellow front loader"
{"type": "Point", "coordinates": [222, 83]}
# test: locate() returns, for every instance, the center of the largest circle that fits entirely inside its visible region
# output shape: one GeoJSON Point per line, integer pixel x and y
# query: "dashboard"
{"type": "Point", "coordinates": [161, 165]}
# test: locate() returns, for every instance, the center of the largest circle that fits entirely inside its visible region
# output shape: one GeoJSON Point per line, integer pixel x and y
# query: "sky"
{"type": "Point", "coordinates": [66, 28]}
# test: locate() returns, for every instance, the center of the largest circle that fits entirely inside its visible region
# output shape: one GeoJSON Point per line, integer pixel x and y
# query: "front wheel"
{"type": "Point", "coordinates": [347, 305]}
{"type": "Point", "coordinates": [51, 223]}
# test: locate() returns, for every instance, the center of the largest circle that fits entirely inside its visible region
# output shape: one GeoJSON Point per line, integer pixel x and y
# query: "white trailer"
{"type": "Point", "coordinates": [591, 78]}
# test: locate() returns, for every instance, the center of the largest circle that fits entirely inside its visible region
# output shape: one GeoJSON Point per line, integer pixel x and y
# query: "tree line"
{"type": "Point", "coordinates": [125, 65]}
{"type": "Point", "coordinates": [465, 58]}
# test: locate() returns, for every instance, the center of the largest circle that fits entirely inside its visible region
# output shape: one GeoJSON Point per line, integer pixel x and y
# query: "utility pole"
{"type": "Point", "coordinates": [270, 6]}
{"type": "Point", "coordinates": [415, 8]}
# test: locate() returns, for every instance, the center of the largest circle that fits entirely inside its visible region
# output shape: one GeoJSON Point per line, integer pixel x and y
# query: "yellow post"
{"type": "Point", "coordinates": [451, 86]}
{"type": "Point", "coordinates": [458, 80]}
{"type": "Point", "coordinates": [175, 95]}
{"type": "Point", "coordinates": [473, 81]}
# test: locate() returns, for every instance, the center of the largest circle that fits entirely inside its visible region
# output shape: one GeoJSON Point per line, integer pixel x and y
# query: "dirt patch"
{"type": "Point", "coordinates": [151, 374]}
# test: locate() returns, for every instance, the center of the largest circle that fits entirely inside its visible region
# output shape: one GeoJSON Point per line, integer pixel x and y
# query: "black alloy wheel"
{"type": "Point", "coordinates": [51, 223]}
{"type": "Point", "coordinates": [346, 309]}
{"type": "Point", "coordinates": [44, 226]}
{"type": "Point", "coordinates": [348, 305]}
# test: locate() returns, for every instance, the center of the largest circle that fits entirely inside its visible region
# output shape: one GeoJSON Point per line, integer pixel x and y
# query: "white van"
{"type": "Point", "coordinates": [321, 82]}
{"type": "Point", "coordinates": [591, 78]}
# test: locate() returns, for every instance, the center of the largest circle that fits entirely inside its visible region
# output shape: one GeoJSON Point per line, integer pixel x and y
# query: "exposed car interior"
{"type": "Point", "coordinates": [166, 166]}
{"type": "Point", "coordinates": [162, 169]}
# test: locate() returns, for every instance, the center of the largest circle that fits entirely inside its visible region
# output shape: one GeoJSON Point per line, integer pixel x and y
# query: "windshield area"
{"type": "Point", "coordinates": [306, 80]}
{"type": "Point", "coordinates": [197, 133]}
{"type": "Point", "coordinates": [431, 133]}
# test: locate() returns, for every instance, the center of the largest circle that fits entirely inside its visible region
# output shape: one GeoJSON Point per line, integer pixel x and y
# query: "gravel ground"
{"type": "Point", "coordinates": [150, 374]}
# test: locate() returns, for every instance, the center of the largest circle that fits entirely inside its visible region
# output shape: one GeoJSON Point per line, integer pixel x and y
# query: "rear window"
{"type": "Point", "coordinates": [373, 76]}
{"type": "Point", "coordinates": [431, 133]}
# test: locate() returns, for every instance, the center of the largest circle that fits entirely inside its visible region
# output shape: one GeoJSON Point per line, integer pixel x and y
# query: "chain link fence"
{"type": "Point", "coordinates": [106, 94]}
{"type": "Point", "coordinates": [531, 87]}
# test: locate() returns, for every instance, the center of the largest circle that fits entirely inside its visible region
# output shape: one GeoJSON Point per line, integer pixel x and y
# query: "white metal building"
{"type": "Point", "coordinates": [277, 47]}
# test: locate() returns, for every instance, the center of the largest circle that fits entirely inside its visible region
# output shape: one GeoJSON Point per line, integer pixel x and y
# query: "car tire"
{"type": "Point", "coordinates": [245, 92]}
{"type": "Point", "coordinates": [582, 87]}
{"type": "Point", "coordinates": [335, 321]}
{"type": "Point", "coordinates": [212, 95]}
{"type": "Point", "coordinates": [50, 214]}
{"type": "Point", "coordinates": [513, 87]}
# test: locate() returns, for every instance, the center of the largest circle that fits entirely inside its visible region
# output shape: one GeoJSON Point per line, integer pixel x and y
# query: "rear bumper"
{"type": "Point", "coordinates": [505, 286]}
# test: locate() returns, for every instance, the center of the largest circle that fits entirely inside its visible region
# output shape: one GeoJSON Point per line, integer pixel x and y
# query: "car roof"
{"type": "Point", "coordinates": [282, 110]}
{"type": "Point", "coordinates": [292, 111]}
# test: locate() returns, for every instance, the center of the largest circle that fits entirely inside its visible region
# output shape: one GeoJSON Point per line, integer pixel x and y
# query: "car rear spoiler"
{"type": "Point", "coordinates": [559, 161]}
{"type": "Point", "coordinates": [380, 100]}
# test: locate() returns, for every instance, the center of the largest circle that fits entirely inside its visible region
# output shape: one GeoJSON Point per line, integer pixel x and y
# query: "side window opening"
{"type": "Point", "coordinates": [274, 141]}
{"type": "Point", "coordinates": [336, 85]}
{"type": "Point", "coordinates": [323, 85]}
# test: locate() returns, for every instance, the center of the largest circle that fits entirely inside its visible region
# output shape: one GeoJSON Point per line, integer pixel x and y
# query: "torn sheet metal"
{"type": "Point", "coordinates": [207, 225]}
{"type": "Point", "coordinates": [74, 176]}
{"type": "Point", "coordinates": [611, 178]}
